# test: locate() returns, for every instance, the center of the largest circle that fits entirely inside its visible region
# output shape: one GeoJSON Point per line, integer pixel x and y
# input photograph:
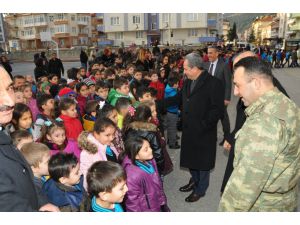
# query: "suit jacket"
{"type": "Point", "coordinates": [223, 73]}
{"type": "Point", "coordinates": [17, 190]}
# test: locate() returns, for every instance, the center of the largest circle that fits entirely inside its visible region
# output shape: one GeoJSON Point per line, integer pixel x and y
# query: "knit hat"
{"type": "Point", "coordinates": [66, 92]}
{"type": "Point", "coordinates": [88, 82]}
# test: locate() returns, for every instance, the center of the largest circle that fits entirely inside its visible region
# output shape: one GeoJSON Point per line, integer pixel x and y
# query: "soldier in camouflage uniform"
{"type": "Point", "coordinates": [266, 164]}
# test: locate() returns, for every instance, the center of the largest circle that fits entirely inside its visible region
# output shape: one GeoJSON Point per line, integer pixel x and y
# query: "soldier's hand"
{"type": "Point", "coordinates": [227, 146]}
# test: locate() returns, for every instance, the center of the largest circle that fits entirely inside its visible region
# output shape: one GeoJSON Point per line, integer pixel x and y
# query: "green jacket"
{"type": "Point", "coordinates": [267, 153]}
{"type": "Point", "coordinates": [113, 96]}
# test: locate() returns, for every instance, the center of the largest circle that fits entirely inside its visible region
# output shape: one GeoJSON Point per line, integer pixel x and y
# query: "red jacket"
{"type": "Point", "coordinates": [81, 103]}
{"type": "Point", "coordinates": [73, 127]}
{"type": "Point", "coordinates": [160, 87]}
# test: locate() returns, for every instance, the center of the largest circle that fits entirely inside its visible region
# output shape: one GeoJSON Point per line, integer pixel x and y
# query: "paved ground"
{"type": "Point", "coordinates": [290, 79]}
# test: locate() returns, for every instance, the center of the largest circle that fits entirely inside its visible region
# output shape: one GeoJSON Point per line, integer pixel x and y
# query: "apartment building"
{"type": "Point", "coordinates": [226, 28]}
{"type": "Point", "coordinates": [67, 29]}
{"type": "Point", "coordinates": [125, 29]}
{"type": "Point", "coordinates": [294, 26]}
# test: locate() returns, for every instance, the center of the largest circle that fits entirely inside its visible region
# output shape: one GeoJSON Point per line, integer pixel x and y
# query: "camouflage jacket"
{"type": "Point", "coordinates": [266, 165]}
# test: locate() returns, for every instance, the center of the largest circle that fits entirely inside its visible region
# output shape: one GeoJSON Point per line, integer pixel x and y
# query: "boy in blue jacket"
{"type": "Point", "coordinates": [172, 112]}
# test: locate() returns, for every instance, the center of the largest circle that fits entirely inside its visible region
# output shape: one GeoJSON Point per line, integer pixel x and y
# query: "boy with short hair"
{"type": "Point", "coordinates": [101, 91]}
{"type": "Point", "coordinates": [156, 84]}
{"type": "Point", "coordinates": [122, 107]}
{"type": "Point", "coordinates": [142, 94]}
{"type": "Point", "coordinates": [136, 82]}
{"type": "Point", "coordinates": [121, 89]}
{"type": "Point", "coordinates": [172, 112]}
{"type": "Point", "coordinates": [89, 118]}
{"type": "Point", "coordinates": [37, 155]}
{"type": "Point", "coordinates": [106, 186]}
{"type": "Point", "coordinates": [65, 187]}
{"type": "Point", "coordinates": [45, 104]}
{"type": "Point", "coordinates": [18, 81]}
{"type": "Point", "coordinates": [21, 137]}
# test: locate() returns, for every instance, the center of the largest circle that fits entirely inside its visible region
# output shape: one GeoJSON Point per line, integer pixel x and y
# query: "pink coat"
{"type": "Point", "coordinates": [87, 158]}
{"type": "Point", "coordinates": [72, 147]}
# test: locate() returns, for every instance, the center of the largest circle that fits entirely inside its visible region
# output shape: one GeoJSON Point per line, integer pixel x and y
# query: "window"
{"type": "Point", "coordinates": [27, 32]}
{"type": "Point", "coordinates": [28, 20]}
{"type": "Point", "coordinates": [119, 35]}
{"type": "Point", "coordinates": [139, 34]}
{"type": "Point", "coordinates": [60, 16]}
{"type": "Point", "coordinates": [0, 29]}
{"type": "Point", "coordinates": [193, 33]}
{"type": "Point", "coordinates": [75, 42]}
{"type": "Point", "coordinates": [39, 19]}
{"type": "Point", "coordinates": [114, 21]}
{"type": "Point", "coordinates": [192, 17]}
{"type": "Point", "coordinates": [61, 28]}
{"type": "Point", "coordinates": [165, 17]}
{"type": "Point", "coordinates": [51, 30]}
{"type": "Point", "coordinates": [74, 30]}
{"type": "Point", "coordinates": [73, 18]}
{"type": "Point", "coordinates": [1, 38]}
{"type": "Point", "coordinates": [153, 26]}
{"type": "Point", "coordinates": [50, 18]}
{"type": "Point", "coordinates": [136, 19]}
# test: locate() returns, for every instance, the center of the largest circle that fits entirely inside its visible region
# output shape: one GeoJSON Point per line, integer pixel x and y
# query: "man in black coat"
{"type": "Point", "coordinates": [55, 66]}
{"type": "Point", "coordinates": [202, 108]}
{"type": "Point", "coordinates": [17, 190]}
{"type": "Point", "coordinates": [219, 69]}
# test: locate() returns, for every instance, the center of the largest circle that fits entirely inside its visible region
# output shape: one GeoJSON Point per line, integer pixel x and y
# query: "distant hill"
{"type": "Point", "coordinates": [242, 20]}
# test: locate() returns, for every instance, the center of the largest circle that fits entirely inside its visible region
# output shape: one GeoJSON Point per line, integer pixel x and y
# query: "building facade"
{"type": "Point", "coordinates": [2, 34]}
{"type": "Point", "coordinates": [125, 29]}
{"type": "Point", "coordinates": [67, 29]}
{"type": "Point", "coordinates": [295, 26]}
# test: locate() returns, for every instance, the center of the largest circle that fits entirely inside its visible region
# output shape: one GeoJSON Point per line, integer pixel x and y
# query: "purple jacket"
{"type": "Point", "coordinates": [145, 191]}
{"type": "Point", "coordinates": [72, 147]}
{"type": "Point", "coordinates": [34, 109]}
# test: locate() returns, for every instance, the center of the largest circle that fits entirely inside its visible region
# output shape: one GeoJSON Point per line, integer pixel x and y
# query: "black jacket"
{"type": "Point", "coordinates": [17, 190]}
{"type": "Point", "coordinates": [83, 57]}
{"type": "Point", "coordinates": [201, 111]}
{"type": "Point", "coordinates": [150, 132]}
{"type": "Point", "coordinates": [56, 67]}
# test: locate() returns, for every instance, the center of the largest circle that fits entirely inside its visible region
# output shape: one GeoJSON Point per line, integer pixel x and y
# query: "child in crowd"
{"type": "Point", "coordinates": [54, 81]}
{"type": "Point", "coordinates": [68, 114]}
{"type": "Point", "coordinates": [130, 72]}
{"type": "Point", "coordinates": [91, 86]}
{"type": "Point", "coordinates": [65, 187]}
{"type": "Point", "coordinates": [123, 106]}
{"type": "Point", "coordinates": [110, 112]}
{"type": "Point", "coordinates": [142, 94]}
{"type": "Point", "coordinates": [82, 72]}
{"type": "Point", "coordinates": [82, 96]}
{"type": "Point", "coordinates": [146, 78]}
{"type": "Point", "coordinates": [30, 101]}
{"type": "Point", "coordinates": [90, 117]}
{"type": "Point", "coordinates": [136, 82]}
{"type": "Point", "coordinates": [54, 136]}
{"type": "Point", "coordinates": [159, 86]}
{"type": "Point", "coordinates": [66, 92]}
{"type": "Point", "coordinates": [101, 92]}
{"type": "Point", "coordinates": [18, 81]}
{"type": "Point", "coordinates": [22, 118]}
{"type": "Point", "coordinates": [96, 76]}
{"type": "Point", "coordinates": [110, 76]}
{"type": "Point", "coordinates": [45, 104]}
{"type": "Point", "coordinates": [140, 125]}
{"type": "Point", "coordinates": [96, 146]}
{"type": "Point", "coordinates": [121, 89]}
{"type": "Point", "coordinates": [106, 185]}
{"type": "Point", "coordinates": [21, 137]}
{"type": "Point", "coordinates": [29, 79]}
{"type": "Point", "coordinates": [172, 112]}
{"type": "Point", "coordinates": [19, 96]}
{"type": "Point", "coordinates": [45, 87]}
{"type": "Point", "coordinates": [37, 155]}
{"type": "Point", "coordinates": [145, 190]}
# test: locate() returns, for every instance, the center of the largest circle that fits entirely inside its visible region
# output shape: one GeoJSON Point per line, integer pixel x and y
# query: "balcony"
{"type": "Point", "coordinates": [101, 28]}
{"type": "Point", "coordinates": [29, 37]}
{"type": "Point", "coordinates": [82, 35]}
{"type": "Point", "coordinates": [61, 35]}
{"type": "Point", "coordinates": [82, 23]}
{"type": "Point", "coordinates": [61, 21]}
{"type": "Point", "coordinates": [295, 27]}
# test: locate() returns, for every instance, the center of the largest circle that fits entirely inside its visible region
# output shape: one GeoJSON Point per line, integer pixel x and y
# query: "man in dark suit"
{"type": "Point", "coordinates": [17, 190]}
{"type": "Point", "coordinates": [219, 69]}
{"type": "Point", "coordinates": [202, 108]}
